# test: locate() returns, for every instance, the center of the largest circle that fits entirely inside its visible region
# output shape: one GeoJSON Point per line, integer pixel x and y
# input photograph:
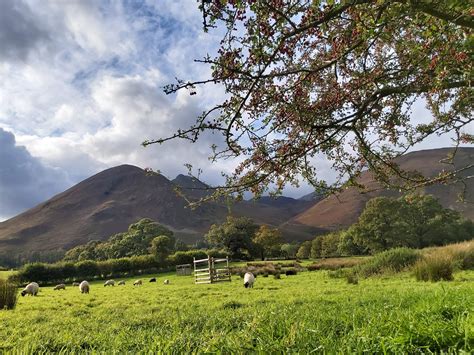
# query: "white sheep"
{"type": "Point", "coordinates": [166, 282]}
{"type": "Point", "coordinates": [249, 280]}
{"type": "Point", "coordinates": [31, 289]}
{"type": "Point", "coordinates": [59, 287]}
{"type": "Point", "coordinates": [84, 287]}
{"type": "Point", "coordinates": [137, 283]}
{"type": "Point", "coordinates": [121, 283]}
{"type": "Point", "coordinates": [109, 283]}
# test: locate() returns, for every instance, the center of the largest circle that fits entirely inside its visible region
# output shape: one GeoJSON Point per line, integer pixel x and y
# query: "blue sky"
{"type": "Point", "coordinates": [81, 88]}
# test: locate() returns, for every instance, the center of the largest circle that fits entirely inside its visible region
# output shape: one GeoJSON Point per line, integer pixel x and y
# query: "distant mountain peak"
{"type": "Point", "coordinates": [189, 182]}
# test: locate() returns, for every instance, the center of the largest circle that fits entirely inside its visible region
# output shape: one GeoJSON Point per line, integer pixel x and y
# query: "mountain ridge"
{"type": "Point", "coordinates": [109, 201]}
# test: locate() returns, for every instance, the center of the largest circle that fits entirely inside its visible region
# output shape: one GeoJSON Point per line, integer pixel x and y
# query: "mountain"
{"type": "Point", "coordinates": [335, 212]}
{"type": "Point", "coordinates": [108, 202]}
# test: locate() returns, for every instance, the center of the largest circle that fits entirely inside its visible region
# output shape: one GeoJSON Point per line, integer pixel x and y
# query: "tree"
{"type": "Point", "coordinates": [268, 241]}
{"type": "Point", "coordinates": [335, 79]}
{"type": "Point", "coordinates": [381, 225]}
{"type": "Point", "coordinates": [161, 247]}
{"type": "Point", "coordinates": [289, 250]}
{"type": "Point", "coordinates": [347, 245]}
{"type": "Point", "coordinates": [316, 247]}
{"type": "Point", "coordinates": [330, 244]}
{"type": "Point", "coordinates": [429, 223]}
{"type": "Point", "coordinates": [234, 235]}
{"type": "Point", "coordinates": [415, 221]}
{"type": "Point", "coordinates": [136, 241]}
{"type": "Point", "coordinates": [304, 252]}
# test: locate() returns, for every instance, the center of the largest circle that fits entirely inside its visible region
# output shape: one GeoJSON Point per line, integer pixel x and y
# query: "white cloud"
{"type": "Point", "coordinates": [85, 89]}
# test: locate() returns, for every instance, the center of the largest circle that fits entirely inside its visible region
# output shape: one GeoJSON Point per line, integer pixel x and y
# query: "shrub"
{"type": "Point", "coordinates": [87, 268]}
{"type": "Point", "coordinates": [395, 260]}
{"type": "Point", "coordinates": [186, 257]}
{"type": "Point", "coordinates": [434, 268]}
{"type": "Point", "coordinates": [277, 276]}
{"type": "Point", "coordinates": [290, 272]}
{"type": "Point", "coordinates": [352, 278]}
{"type": "Point", "coordinates": [8, 295]}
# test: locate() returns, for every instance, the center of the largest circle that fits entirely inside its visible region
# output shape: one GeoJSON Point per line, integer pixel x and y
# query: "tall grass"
{"type": "Point", "coordinates": [434, 268]}
{"type": "Point", "coordinates": [393, 260]}
{"type": "Point", "coordinates": [461, 254]}
{"type": "Point", "coordinates": [335, 263]}
{"type": "Point", "coordinates": [8, 295]}
{"type": "Point", "coordinates": [439, 263]}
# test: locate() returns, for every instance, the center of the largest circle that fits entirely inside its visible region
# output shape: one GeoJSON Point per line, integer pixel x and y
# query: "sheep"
{"type": "Point", "coordinates": [109, 283]}
{"type": "Point", "coordinates": [166, 282]}
{"type": "Point", "coordinates": [153, 279]}
{"type": "Point", "coordinates": [121, 283]}
{"type": "Point", "coordinates": [249, 280]}
{"type": "Point", "coordinates": [59, 287]}
{"type": "Point", "coordinates": [84, 287]}
{"type": "Point", "coordinates": [75, 284]}
{"type": "Point", "coordinates": [31, 289]}
{"type": "Point", "coordinates": [137, 283]}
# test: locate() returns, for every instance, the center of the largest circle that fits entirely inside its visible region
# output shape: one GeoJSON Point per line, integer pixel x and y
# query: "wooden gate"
{"type": "Point", "coordinates": [211, 270]}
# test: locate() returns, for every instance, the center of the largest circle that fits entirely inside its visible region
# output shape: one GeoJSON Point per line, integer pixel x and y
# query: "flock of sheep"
{"type": "Point", "coordinates": [32, 288]}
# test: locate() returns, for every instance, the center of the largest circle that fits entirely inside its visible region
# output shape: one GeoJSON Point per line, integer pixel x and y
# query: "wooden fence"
{"type": "Point", "coordinates": [211, 270]}
{"type": "Point", "coordinates": [184, 270]}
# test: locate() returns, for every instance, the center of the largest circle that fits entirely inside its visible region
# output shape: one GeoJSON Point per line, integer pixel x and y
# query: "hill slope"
{"type": "Point", "coordinates": [108, 202]}
{"type": "Point", "coordinates": [335, 212]}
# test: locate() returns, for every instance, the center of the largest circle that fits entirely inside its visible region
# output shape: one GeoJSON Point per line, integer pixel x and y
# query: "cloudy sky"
{"type": "Point", "coordinates": [81, 88]}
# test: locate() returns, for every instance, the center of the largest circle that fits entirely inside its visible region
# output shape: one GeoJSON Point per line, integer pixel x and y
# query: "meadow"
{"type": "Point", "coordinates": [308, 312]}
{"type": "Point", "coordinates": [5, 274]}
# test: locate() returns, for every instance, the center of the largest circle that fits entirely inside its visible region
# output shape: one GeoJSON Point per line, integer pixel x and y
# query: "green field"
{"type": "Point", "coordinates": [5, 274]}
{"type": "Point", "coordinates": [302, 313]}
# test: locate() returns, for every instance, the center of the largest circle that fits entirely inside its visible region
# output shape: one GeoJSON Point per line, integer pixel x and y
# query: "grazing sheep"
{"type": "Point", "coordinates": [84, 287]}
{"type": "Point", "coordinates": [166, 282]}
{"type": "Point", "coordinates": [31, 289]}
{"type": "Point", "coordinates": [75, 284]}
{"type": "Point", "coordinates": [109, 283]}
{"type": "Point", "coordinates": [153, 279]}
{"type": "Point", "coordinates": [121, 283]}
{"type": "Point", "coordinates": [137, 283]}
{"type": "Point", "coordinates": [59, 287]}
{"type": "Point", "coordinates": [249, 280]}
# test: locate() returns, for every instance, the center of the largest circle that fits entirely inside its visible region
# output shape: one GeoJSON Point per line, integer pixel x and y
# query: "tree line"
{"type": "Point", "coordinates": [414, 221]}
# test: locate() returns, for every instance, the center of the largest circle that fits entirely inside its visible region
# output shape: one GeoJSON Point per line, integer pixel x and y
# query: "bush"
{"type": "Point", "coordinates": [290, 272]}
{"type": "Point", "coordinates": [352, 278]}
{"type": "Point", "coordinates": [393, 260]}
{"type": "Point", "coordinates": [434, 268]}
{"type": "Point", "coordinates": [277, 276]}
{"type": "Point", "coordinates": [8, 295]}
{"type": "Point", "coordinates": [186, 257]}
{"type": "Point", "coordinates": [87, 268]}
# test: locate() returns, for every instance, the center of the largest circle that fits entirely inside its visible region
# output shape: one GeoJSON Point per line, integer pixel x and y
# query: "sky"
{"type": "Point", "coordinates": [81, 87]}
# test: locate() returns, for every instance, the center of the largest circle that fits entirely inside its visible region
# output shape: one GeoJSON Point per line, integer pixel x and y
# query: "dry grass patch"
{"type": "Point", "coordinates": [335, 263]}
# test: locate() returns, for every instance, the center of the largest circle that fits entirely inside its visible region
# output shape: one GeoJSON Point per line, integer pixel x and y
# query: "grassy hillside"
{"type": "Point", "coordinates": [302, 313]}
